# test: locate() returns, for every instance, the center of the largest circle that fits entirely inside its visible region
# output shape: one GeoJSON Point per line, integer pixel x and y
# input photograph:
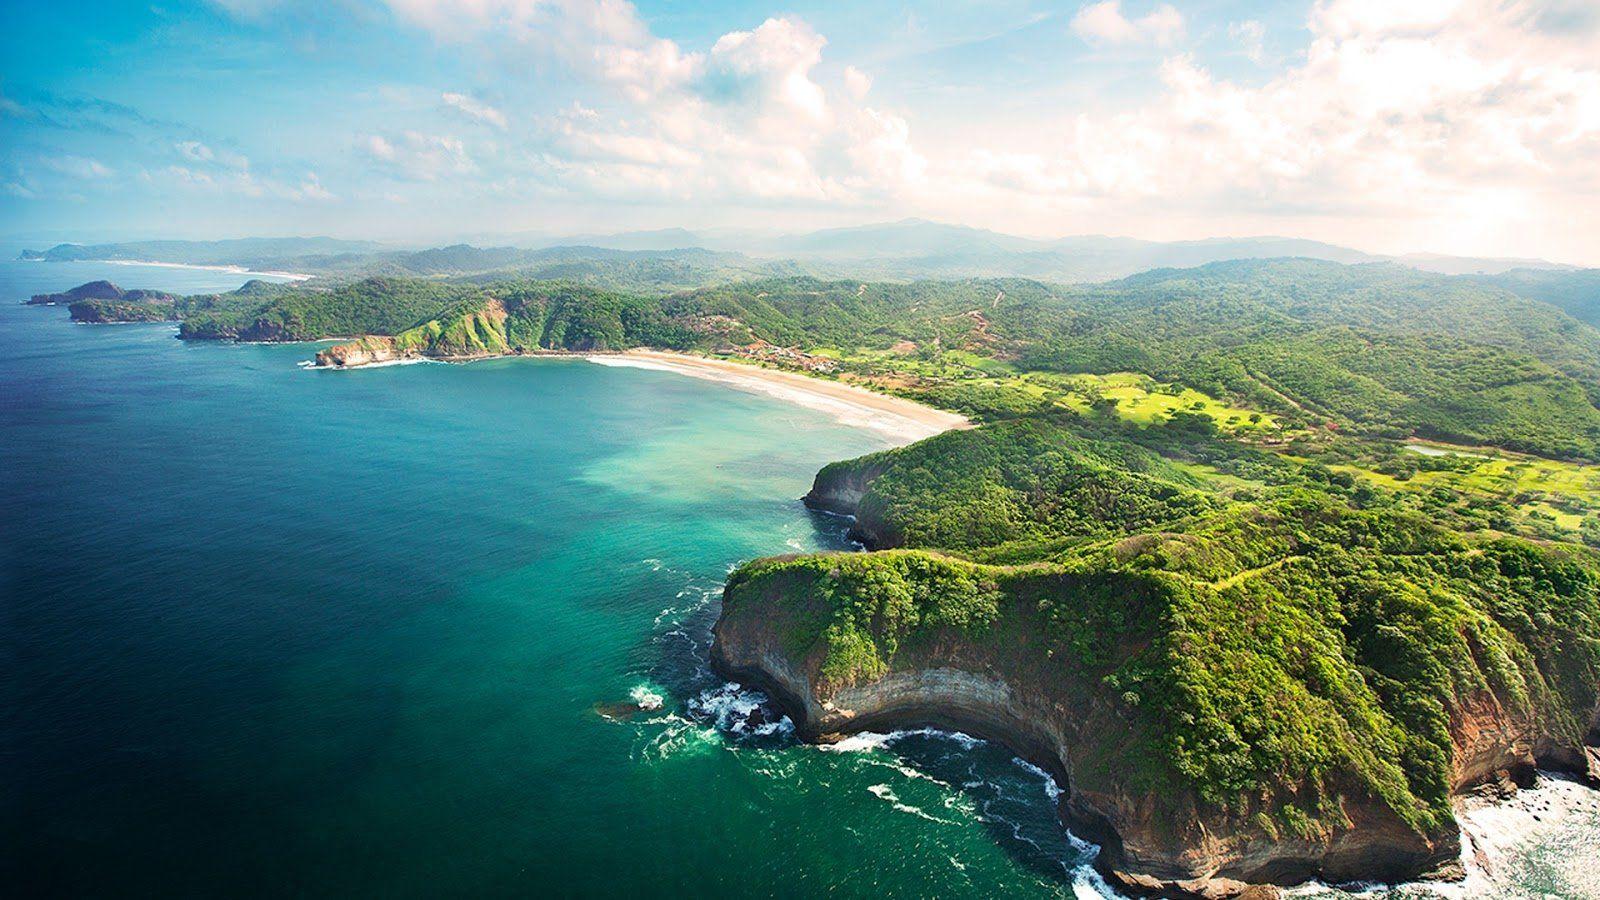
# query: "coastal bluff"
{"type": "Point", "coordinates": [1095, 672]}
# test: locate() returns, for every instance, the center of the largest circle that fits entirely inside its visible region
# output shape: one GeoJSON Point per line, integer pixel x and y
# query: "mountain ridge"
{"type": "Point", "coordinates": [908, 249]}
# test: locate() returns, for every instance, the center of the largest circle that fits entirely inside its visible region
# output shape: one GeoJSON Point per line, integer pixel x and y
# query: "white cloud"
{"type": "Point", "coordinates": [770, 68]}
{"type": "Point", "coordinates": [235, 182]}
{"type": "Point", "coordinates": [602, 39]}
{"type": "Point", "coordinates": [196, 152]}
{"type": "Point", "coordinates": [193, 178]}
{"type": "Point", "coordinates": [379, 148]}
{"type": "Point", "coordinates": [475, 109]}
{"type": "Point", "coordinates": [753, 126]}
{"type": "Point", "coordinates": [79, 167]}
{"type": "Point", "coordinates": [10, 107]}
{"type": "Point", "coordinates": [745, 119]}
{"type": "Point", "coordinates": [1104, 23]}
{"type": "Point", "coordinates": [310, 188]}
{"type": "Point", "coordinates": [1251, 36]}
{"type": "Point", "coordinates": [1455, 121]}
{"type": "Point", "coordinates": [1447, 123]}
{"type": "Point", "coordinates": [416, 156]}
{"type": "Point", "coordinates": [857, 82]}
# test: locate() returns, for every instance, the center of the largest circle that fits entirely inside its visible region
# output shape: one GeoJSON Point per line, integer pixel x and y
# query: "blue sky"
{"type": "Point", "coordinates": [1466, 126]}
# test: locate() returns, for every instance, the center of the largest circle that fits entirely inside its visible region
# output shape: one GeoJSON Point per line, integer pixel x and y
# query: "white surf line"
{"type": "Point", "coordinates": [872, 412]}
{"type": "Point", "coordinates": [237, 270]}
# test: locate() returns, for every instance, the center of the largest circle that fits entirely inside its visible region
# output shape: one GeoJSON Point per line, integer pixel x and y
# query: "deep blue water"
{"type": "Point", "coordinates": [273, 632]}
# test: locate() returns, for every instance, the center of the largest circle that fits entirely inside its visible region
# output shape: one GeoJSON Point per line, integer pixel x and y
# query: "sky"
{"type": "Point", "coordinates": [1455, 126]}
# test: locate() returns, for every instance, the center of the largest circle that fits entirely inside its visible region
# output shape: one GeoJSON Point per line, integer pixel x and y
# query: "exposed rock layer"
{"type": "Point", "coordinates": [1164, 843]}
{"type": "Point", "coordinates": [364, 352]}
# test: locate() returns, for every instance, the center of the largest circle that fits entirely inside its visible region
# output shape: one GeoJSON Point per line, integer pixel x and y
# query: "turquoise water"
{"type": "Point", "coordinates": [273, 631]}
{"type": "Point", "coordinates": [270, 631]}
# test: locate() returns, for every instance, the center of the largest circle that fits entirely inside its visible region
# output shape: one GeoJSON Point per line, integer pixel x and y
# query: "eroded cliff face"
{"type": "Point", "coordinates": [476, 334]}
{"type": "Point", "coordinates": [840, 489]}
{"type": "Point", "coordinates": [1166, 843]}
{"type": "Point", "coordinates": [1011, 682]}
{"type": "Point", "coordinates": [363, 352]}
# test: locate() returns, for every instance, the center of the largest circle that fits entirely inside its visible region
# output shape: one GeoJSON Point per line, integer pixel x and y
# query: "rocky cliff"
{"type": "Point", "coordinates": [94, 290]}
{"type": "Point", "coordinates": [1209, 735]}
{"type": "Point", "coordinates": [363, 352]}
{"type": "Point", "coordinates": [101, 291]}
{"type": "Point", "coordinates": [472, 331]}
{"type": "Point", "coordinates": [839, 489]}
{"type": "Point", "coordinates": [108, 311]}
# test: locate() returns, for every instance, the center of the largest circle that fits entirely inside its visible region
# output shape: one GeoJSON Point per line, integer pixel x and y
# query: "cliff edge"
{"type": "Point", "coordinates": [1287, 690]}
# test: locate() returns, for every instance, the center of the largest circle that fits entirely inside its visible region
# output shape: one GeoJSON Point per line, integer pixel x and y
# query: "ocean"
{"type": "Point", "coordinates": [270, 631]}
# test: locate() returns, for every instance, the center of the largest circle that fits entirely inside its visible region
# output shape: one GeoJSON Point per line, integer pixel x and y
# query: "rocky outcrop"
{"type": "Point", "coordinates": [475, 333]}
{"type": "Point", "coordinates": [1166, 844]}
{"type": "Point", "coordinates": [94, 290]}
{"type": "Point", "coordinates": [101, 290]}
{"type": "Point", "coordinates": [363, 352]}
{"type": "Point", "coordinates": [109, 311]}
{"type": "Point", "coordinates": [839, 489]}
{"type": "Point", "coordinates": [1008, 682]}
{"type": "Point", "coordinates": [102, 301]}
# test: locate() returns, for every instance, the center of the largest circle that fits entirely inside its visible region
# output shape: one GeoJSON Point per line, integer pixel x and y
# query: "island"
{"type": "Point", "coordinates": [102, 301]}
{"type": "Point", "coordinates": [1268, 562]}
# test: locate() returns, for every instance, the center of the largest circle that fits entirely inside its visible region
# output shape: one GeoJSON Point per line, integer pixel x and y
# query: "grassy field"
{"type": "Point", "coordinates": [1539, 497]}
{"type": "Point", "coordinates": [1145, 401]}
{"type": "Point", "coordinates": [1134, 397]}
{"type": "Point", "coordinates": [1562, 494]}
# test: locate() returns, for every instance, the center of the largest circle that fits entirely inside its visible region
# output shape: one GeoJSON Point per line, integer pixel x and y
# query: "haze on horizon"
{"type": "Point", "coordinates": [1469, 127]}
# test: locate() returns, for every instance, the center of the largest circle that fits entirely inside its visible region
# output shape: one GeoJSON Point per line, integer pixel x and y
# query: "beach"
{"type": "Point", "coordinates": [232, 270]}
{"type": "Point", "coordinates": [902, 420]}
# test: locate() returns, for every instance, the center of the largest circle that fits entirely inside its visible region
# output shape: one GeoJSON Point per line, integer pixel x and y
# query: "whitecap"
{"type": "Point", "coordinates": [731, 708]}
{"type": "Point", "coordinates": [873, 740]}
{"type": "Point", "coordinates": [1051, 789]}
{"type": "Point", "coordinates": [646, 699]}
{"type": "Point", "coordinates": [856, 743]}
{"type": "Point", "coordinates": [885, 793]}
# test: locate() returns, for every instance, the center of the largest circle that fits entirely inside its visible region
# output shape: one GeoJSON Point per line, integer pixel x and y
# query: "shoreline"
{"type": "Point", "coordinates": [900, 420]}
{"type": "Point", "coordinates": [905, 421]}
{"type": "Point", "coordinates": [236, 270]}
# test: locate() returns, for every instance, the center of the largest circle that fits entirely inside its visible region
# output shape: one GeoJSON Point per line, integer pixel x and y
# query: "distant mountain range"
{"type": "Point", "coordinates": [206, 253]}
{"type": "Point", "coordinates": [909, 249]}
{"type": "Point", "coordinates": [920, 248]}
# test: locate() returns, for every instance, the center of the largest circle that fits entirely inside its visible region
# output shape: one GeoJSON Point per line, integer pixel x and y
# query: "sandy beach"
{"type": "Point", "coordinates": [901, 420]}
{"type": "Point", "coordinates": [237, 270]}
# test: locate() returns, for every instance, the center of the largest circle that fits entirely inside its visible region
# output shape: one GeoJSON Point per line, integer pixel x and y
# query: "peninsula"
{"type": "Point", "coordinates": [1169, 537]}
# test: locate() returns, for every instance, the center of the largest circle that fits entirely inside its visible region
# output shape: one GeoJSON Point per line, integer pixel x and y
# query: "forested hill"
{"type": "Point", "coordinates": [1377, 349]}
{"type": "Point", "coordinates": [907, 250]}
{"type": "Point", "coordinates": [1376, 346]}
{"type": "Point", "coordinates": [1574, 291]}
{"type": "Point", "coordinates": [1252, 632]}
{"type": "Point", "coordinates": [1380, 348]}
{"type": "Point", "coordinates": [1185, 523]}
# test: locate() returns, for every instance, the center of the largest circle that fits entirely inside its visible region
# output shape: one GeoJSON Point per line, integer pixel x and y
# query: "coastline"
{"type": "Point", "coordinates": [1506, 844]}
{"type": "Point", "coordinates": [237, 270]}
{"type": "Point", "coordinates": [904, 421]}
